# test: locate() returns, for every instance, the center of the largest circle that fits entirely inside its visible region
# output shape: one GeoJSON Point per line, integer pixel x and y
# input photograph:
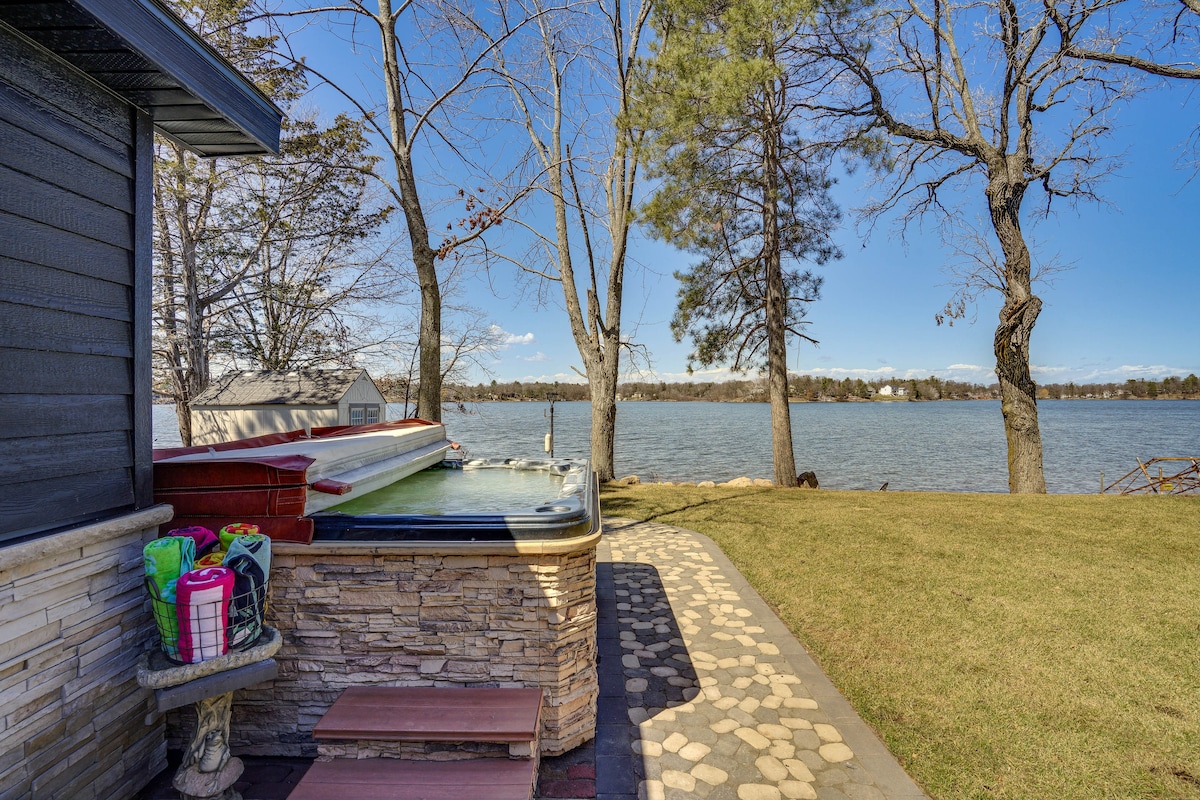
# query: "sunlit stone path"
{"type": "Point", "coordinates": [704, 692]}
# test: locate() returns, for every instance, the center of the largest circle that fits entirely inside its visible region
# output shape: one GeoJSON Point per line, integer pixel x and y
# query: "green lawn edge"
{"type": "Point", "coordinates": [1003, 646]}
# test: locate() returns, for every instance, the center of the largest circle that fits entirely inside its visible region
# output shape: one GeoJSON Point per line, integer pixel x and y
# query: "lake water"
{"type": "Point", "coordinates": [939, 446]}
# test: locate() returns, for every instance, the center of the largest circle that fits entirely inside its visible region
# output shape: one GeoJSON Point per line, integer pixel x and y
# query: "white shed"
{"type": "Point", "coordinates": [243, 404]}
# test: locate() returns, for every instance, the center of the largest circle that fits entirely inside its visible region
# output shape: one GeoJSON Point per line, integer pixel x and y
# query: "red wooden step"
{"type": "Point", "coordinates": [429, 714]}
{"type": "Point", "coordinates": [394, 779]}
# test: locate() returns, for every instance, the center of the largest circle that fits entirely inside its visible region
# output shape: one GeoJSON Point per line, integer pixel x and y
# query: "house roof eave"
{"type": "Point", "coordinates": [143, 52]}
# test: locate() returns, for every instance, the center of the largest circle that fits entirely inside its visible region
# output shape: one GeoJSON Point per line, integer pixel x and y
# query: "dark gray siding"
{"type": "Point", "coordinates": [73, 305]}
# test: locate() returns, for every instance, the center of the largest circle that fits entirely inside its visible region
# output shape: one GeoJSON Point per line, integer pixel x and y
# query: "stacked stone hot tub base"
{"type": "Point", "coordinates": [494, 614]}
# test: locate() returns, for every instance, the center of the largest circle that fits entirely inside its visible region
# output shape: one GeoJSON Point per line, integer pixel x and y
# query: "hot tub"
{"type": "Point", "coordinates": [480, 576]}
{"type": "Point", "coordinates": [486, 500]}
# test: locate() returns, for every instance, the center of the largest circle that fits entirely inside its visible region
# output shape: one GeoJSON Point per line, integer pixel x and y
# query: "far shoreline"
{"type": "Point", "coordinates": [791, 400]}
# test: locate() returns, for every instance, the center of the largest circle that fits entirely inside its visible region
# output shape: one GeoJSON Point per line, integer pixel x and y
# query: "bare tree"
{"type": "Point", "coordinates": [472, 340]}
{"type": "Point", "coordinates": [262, 260]}
{"type": "Point", "coordinates": [421, 75]}
{"type": "Point", "coordinates": [570, 81]}
{"type": "Point", "coordinates": [974, 101]}
{"type": "Point", "coordinates": [309, 300]}
{"type": "Point", "coordinates": [1158, 39]}
{"type": "Point", "coordinates": [202, 247]}
{"type": "Point", "coordinates": [976, 268]}
{"type": "Point", "coordinates": [184, 290]}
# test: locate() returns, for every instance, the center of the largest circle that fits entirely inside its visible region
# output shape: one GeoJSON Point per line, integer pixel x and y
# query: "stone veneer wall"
{"type": "Point", "coordinates": [75, 621]}
{"type": "Point", "coordinates": [504, 614]}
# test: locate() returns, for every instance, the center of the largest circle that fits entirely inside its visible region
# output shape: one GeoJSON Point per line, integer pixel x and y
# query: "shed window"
{"type": "Point", "coordinates": [364, 414]}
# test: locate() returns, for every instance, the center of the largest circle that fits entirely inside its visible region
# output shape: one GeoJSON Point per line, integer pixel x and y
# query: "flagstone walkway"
{"type": "Point", "coordinates": [705, 694]}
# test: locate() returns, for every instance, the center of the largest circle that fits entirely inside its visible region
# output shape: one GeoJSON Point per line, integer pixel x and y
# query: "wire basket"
{"type": "Point", "coordinates": [212, 633]}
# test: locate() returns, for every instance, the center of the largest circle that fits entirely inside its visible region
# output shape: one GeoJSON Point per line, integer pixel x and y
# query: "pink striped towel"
{"type": "Point", "coordinates": [202, 603]}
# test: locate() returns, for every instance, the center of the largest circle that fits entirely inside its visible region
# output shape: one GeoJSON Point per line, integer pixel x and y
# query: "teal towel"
{"type": "Point", "coordinates": [249, 557]}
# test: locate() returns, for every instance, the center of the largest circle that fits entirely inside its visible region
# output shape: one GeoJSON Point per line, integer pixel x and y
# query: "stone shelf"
{"type": "Point", "coordinates": [208, 771]}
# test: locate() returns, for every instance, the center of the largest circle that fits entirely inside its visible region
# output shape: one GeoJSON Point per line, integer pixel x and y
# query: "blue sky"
{"type": "Point", "coordinates": [1127, 308]}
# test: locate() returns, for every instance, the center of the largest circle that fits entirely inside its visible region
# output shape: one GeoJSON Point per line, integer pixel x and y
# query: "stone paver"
{"type": "Point", "coordinates": [704, 692]}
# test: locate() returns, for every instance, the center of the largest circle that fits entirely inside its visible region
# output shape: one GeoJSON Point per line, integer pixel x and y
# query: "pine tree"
{"type": "Point", "coordinates": [740, 188]}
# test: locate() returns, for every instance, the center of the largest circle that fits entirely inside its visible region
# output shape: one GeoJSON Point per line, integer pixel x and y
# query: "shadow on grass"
{"type": "Point", "coordinates": [614, 505]}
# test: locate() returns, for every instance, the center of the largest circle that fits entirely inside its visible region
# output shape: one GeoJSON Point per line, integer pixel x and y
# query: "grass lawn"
{"type": "Point", "coordinates": [1002, 646]}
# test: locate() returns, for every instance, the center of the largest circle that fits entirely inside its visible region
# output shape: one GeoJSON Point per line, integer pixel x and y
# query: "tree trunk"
{"type": "Point", "coordinates": [604, 422]}
{"type": "Point", "coordinates": [596, 331]}
{"type": "Point", "coordinates": [429, 391]}
{"type": "Point", "coordinates": [1018, 393]}
{"type": "Point", "coordinates": [195, 376]}
{"type": "Point", "coordinates": [183, 413]}
{"type": "Point", "coordinates": [598, 347]}
{"type": "Point", "coordinates": [1018, 404]}
{"type": "Point", "coordinates": [783, 454]}
{"type": "Point", "coordinates": [187, 338]}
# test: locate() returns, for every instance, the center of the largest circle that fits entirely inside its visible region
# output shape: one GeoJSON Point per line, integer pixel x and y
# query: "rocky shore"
{"type": "Point", "coordinates": [736, 483]}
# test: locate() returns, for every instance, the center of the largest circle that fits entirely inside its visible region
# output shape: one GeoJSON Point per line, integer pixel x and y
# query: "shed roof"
{"type": "Point", "coordinates": [305, 387]}
{"type": "Point", "coordinates": [143, 52]}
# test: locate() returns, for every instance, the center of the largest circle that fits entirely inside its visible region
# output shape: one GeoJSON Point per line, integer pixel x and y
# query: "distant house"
{"type": "Point", "coordinates": [84, 87]}
{"type": "Point", "coordinates": [901, 392]}
{"type": "Point", "coordinates": [242, 404]}
{"type": "Point", "coordinates": [886, 390]}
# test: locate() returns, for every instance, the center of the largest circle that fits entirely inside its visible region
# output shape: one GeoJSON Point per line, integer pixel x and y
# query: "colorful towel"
{"type": "Point", "coordinates": [165, 560]}
{"type": "Point", "coordinates": [250, 559]}
{"type": "Point", "coordinates": [214, 559]}
{"type": "Point", "coordinates": [234, 530]}
{"type": "Point", "coordinates": [205, 539]}
{"type": "Point", "coordinates": [203, 607]}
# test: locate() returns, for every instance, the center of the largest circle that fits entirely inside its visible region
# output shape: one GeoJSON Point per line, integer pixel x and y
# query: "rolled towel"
{"type": "Point", "coordinates": [165, 560]}
{"type": "Point", "coordinates": [205, 539]}
{"type": "Point", "coordinates": [213, 559]}
{"type": "Point", "coordinates": [203, 606]}
{"type": "Point", "coordinates": [250, 559]}
{"type": "Point", "coordinates": [234, 530]}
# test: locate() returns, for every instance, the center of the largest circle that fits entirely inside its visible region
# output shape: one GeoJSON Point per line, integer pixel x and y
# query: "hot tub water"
{"type": "Point", "coordinates": [472, 490]}
{"type": "Point", "coordinates": [486, 500]}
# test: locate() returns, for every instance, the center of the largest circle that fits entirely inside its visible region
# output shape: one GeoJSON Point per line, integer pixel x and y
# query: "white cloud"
{"type": "Point", "coordinates": [710, 375]}
{"type": "Point", "coordinates": [850, 372]}
{"type": "Point", "coordinates": [1131, 371]}
{"type": "Point", "coordinates": [504, 339]}
{"type": "Point", "coordinates": [538, 356]}
{"type": "Point", "coordinates": [558, 377]}
{"type": "Point", "coordinates": [1048, 372]}
{"type": "Point", "coordinates": [972, 373]}
{"type": "Point", "coordinates": [960, 372]}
